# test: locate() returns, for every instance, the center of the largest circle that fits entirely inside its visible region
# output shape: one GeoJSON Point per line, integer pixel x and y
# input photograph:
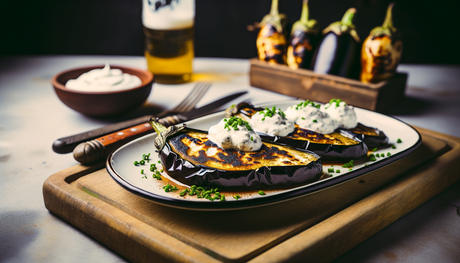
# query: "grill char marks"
{"type": "Point", "coordinates": [199, 150]}
{"type": "Point", "coordinates": [333, 138]}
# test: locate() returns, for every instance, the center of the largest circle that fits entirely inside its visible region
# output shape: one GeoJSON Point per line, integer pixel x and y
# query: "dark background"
{"type": "Point", "coordinates": [114, 27]}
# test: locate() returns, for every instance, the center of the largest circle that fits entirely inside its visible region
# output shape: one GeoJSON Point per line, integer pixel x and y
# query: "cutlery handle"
{"type": "Point", "coordinates": [99, 148]}
{"type": "Point", "coordinates": [68, 144]}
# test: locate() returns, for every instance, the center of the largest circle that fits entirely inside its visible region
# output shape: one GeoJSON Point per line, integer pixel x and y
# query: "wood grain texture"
{"type": "Point", "coordinates": [307, 227]}
{"type": "Point", "coordinates": [306, 84]}
{"type": "Point", "coordinates": [336, 235]}
{"type": "Point", "coordinates": [124, 234]}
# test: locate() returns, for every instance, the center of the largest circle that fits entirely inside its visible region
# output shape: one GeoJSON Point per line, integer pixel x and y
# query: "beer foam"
{"type": "Point", "coordinates": [159, 14]}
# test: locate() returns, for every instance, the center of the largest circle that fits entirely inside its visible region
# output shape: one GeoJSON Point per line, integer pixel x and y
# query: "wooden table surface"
{"type": "Point", "coordinates": [32, 117]}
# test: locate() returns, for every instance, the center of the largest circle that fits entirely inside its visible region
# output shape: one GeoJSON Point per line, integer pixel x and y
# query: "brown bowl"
{"type": "Point", "coordinates": [102, 104]}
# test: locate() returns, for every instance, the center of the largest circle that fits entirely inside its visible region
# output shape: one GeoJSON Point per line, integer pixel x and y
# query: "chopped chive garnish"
{"type": "Point", "coordinates": [261, 192]}
{"type": "Point", "coordinates": [306, 103]}
{"type": "Point", "coordinates": [330, 170]}
{"type": "Point", "coordinates": [136, 163]}
{"type": "Point", "coordinates": [234, 122]}
{"type": "Point", "coordinates": [336, 101]}
{"type": "Point", "coordinates": [237, 197]}
{"type": "Point", "coordinates": [315, 121]}
{"type": "Point", "coordinates": [372, 158]}
{"type": "Point", "coordinates": [375, 149]}
{"type": "Point", "coordinates": [142, 171]}
{"type": "Point", "coordinates": [399, 141]}
{"type": "Point", "coordinates": [142, 162]}
{"type": "Point", "coordinates": [349, 164]}
{"type": "Point", "coordinates": [337, 171]}
{"type": "Point", "coordinates": [167, 188]}
{"type": "Point", "coordinates": [393, 146]}
{"type": "Point", "coordinates": [388, 153]}
{"type": "Point", "coordinates": [184, 192]}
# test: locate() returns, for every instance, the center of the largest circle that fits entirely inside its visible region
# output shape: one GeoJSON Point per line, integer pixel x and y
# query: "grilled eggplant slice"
{"type": "Point", "coordinates": [373, 137]}
{"type": "Point", "coordinates": [190, 157]}
{"type": "Point", "coordinates": [341, 145]}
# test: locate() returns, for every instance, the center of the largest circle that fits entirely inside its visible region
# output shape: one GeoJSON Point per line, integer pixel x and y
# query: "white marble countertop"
{"type": "Point", "coordinates": [32, 117]}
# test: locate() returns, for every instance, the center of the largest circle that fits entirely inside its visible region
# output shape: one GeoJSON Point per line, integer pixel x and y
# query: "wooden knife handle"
{"type": "Point", "coordinates": [99, 148]}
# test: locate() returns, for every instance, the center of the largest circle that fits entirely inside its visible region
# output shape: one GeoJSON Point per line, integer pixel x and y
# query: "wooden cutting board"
{"type": "Point", "coordinates": [319, 227]}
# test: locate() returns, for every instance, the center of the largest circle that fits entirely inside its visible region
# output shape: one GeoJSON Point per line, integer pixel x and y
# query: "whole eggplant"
{"type": "Point", "coordinates": [271, 40]}
{"type": "Point", "coordinates": [338, 52]}
{"type": "Point", "coordinates": [303, 40]}
{"type": "Point", "coordinates": [381, 52]}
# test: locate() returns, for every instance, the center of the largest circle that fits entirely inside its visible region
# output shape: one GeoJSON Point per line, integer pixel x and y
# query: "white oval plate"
{"type": "Point", "coordinates": [120, 165]}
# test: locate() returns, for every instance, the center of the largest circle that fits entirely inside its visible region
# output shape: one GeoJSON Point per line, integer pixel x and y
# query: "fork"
{"type": "Point", "coordinates": [68, 144]}
{"type": "Point", "coordinates": [190, 101]}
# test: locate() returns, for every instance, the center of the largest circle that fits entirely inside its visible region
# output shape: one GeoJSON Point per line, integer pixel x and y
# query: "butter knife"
{"type": "Point", "coordinates": [99, 148]}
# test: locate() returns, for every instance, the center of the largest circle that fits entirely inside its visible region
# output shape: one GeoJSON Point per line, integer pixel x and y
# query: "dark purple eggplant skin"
{"type": "Point", "coordinates": [376, 141]}
{"type": "Point", "coordinates": [328, 152]}
{"type": "Point", "coordinates": [274, 177]}
{"type": "Point", "coordinates": [341, 60]}
{"type": "Point", "coordinates": [370, 140]}
{"type": "Point", "coordinates": [300, 38]}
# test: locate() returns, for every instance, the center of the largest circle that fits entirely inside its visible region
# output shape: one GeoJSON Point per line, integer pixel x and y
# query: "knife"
{"type": "Point", "coordinates": [68, 144]}
{"type": "Point", "coordinates": [99, 148]}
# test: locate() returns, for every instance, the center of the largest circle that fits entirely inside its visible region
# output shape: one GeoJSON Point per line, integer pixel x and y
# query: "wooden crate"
{"type": "Point", "coordinates": [306, 84]}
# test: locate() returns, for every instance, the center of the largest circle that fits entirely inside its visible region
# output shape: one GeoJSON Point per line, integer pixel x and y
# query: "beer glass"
{"type": "Point", "coordinates": [169, 31]}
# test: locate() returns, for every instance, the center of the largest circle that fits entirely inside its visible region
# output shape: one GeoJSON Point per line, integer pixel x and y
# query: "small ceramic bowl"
{"type": "Point", "coordinates": [102, 104]}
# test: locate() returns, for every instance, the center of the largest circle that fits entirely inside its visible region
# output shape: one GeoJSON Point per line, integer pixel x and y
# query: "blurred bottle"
{"type": "Point", "coordinates": [169, 32]}
{"type": "Point", "coordinates": [303, 41]}
{"type": "Point", "coordinates": [338, 52]}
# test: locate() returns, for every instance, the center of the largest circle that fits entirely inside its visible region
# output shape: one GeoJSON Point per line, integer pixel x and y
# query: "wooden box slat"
{"type": "Point", "coordinates": [141, 230]}
{"type": "Point", "coordinates": [306, 84]}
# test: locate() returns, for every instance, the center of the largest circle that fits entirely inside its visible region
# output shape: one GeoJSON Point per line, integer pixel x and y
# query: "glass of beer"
{"type": "Point", "coordinates": [169, 31]}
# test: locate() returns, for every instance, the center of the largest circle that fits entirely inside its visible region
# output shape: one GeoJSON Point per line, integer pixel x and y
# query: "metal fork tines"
{"type": "Point", "coordinates": [190, 101]}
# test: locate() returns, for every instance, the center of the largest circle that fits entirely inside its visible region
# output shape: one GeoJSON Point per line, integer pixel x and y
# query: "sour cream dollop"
{"type": "Point", "coordinates": [105, 79]}
{"type": "Point", "coordinates": [308, 116]}
{"type": "Point", "coordinates": [341, 112]}
{"type": "Point", "coordinates": [272, 121]}
{"type": "Point", "coordinates": [235, 133]}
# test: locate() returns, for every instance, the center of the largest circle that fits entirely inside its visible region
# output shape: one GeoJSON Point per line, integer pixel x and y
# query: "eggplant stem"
{"type": "Point", "coordinates": [158, 127]}
{"type": "Point", "coordinates": [347, 19]}
{"type": "Point", "coordinates": [388, 23]}
{"type": "Point", "coordinates": [274, 10]}
{"type": "Point", "coordinates": [304, 15]}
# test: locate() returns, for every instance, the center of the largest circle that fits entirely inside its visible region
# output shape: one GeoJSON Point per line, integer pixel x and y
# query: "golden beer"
{"type": "Point", "coordinates": [169, 32]}
{"type": "Point", "coordinates": [169, 54]}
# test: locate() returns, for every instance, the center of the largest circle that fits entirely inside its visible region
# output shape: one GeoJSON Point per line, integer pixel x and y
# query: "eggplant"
{"type": "Point", "coordinates": [342, 145]}
{"type": "Point", "coordinates": [271, 40]}
{"type": "Point", "coordinates": [373, 137]}
{"type": "Point", "coordinates": [303, 40]}
{"type": "Point", "coordinates": [338, 52]}
{"type": "Point", "coordinates": [381, 51]}
{"type": "Point", "coordinates": [189, 157]}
